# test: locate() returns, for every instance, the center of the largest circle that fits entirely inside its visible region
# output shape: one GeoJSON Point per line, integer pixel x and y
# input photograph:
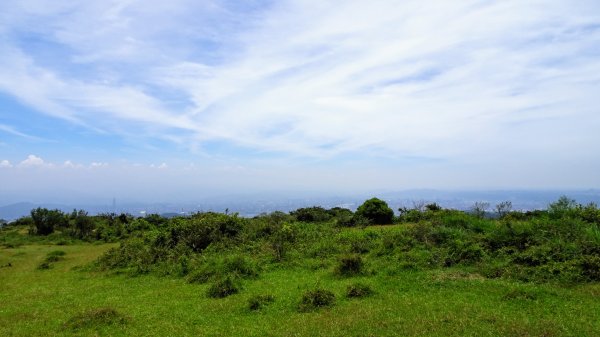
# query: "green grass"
{"type": "Point", "coordinates": [66, 300]}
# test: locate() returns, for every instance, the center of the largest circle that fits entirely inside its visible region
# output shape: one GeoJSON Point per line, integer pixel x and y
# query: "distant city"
{"type": "Point", "coordinates": [253, 204]}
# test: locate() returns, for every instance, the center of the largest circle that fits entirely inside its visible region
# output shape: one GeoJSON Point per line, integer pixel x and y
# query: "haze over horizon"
{"type": "Point", "coordinates": [167, 101]}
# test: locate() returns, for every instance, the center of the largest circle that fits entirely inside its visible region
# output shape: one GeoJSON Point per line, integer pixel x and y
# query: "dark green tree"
{"type": "Point", "coordinates": [82, 224]}
{"type": "Point", "coordinates": [45, 221]}
{"type": "Point", "coordinates": [376, 211]}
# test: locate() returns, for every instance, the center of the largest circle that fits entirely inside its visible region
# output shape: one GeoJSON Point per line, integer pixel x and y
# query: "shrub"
{"type": "Point", "coordinates": [201, 275]}
{"type": "Point", "coordinates": [46, 221]}
{"type": "Point", "coordinates": [315, 299]}
{"type": "Point", "coordinates": [590, 267]}
{"type": "Point", "coordinates": [55, 254]}
{"type": "Point", "coordinates": [345, 220]}
{"type": "Point", "coordinates": [223, 287]}
{"type": "Point", "coordinates": [376, 211]}
{"type": "Point", "coordinates": [311, 214]}
{"type": "Point", "coordinates": [357, 290]}
{"type": "Point", "coordinates": [44, 265]}
{"type": "Point", "coordinates": [95, 317]}
{"type": "Point", "coordinates": [350, 265]}
{"type": "Point", "coordinates": [259, 301]}
{"type": "Point", "coordinates": [464, 252]}
{"type": "Point", "coordinates": [240, 265]}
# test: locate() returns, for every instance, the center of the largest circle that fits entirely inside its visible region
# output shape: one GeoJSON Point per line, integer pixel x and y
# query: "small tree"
{"type": "Point", "coordinates": [83, 224]}
{"type": "Point", "coordinates": [479, 208]}
{"type": "Point", "coordinates": [45, 221]}
{"type": "Point", "coordinates": [562, 207]}
{"type": "Point", "coordinates": [433, 207]}
{"type": "Point", "coordinates": [503, 208]}
{"type": "Point", "coordinates": [376, 211]}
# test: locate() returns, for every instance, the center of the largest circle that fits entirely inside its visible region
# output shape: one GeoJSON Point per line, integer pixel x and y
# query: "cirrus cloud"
{"type": "Point", "coordinates": [464, 83]}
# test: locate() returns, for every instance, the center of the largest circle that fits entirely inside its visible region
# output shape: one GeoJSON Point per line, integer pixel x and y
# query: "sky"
{"type": "Point", "coordinates": [173, 100]}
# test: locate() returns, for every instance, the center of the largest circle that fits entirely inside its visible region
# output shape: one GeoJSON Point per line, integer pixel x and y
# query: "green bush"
{"type": "Point", "coordinates": [350, 265]}
{"type": "Point", "coordinates": [224, 287]}
{"type": "Point", "coordinates": [461, 252]}
{"type": "Point", "coordinates": [315, 299]}
{"type": "Point", "coordinates": [44, 265]}
{"type": "Point", "coordinates": [376, 211]}
{"type": "Point", "coordinates": [45, 221]}
{"type": "Point", "coordinates": [260, 301]}
{"type": "Point", "coordinates": [311, 214]}
{"type": "Point", "coordinates": [240, 265]}
{"type": "Point", "coordinates": [357, 290]}
{"type": "Point", "coordinates": [95, 318]}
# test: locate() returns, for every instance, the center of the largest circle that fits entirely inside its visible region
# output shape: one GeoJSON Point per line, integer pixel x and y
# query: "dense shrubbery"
{"type": "Point", "coordinates": [559, 244]}
{"type": "Point", "coordinates": [376, 211]}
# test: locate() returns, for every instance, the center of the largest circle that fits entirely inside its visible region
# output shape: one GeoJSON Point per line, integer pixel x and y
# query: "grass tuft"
{"type": "Point", "coordinates": [224, 287]}
{"type": "Point", "coordinates": [95, 318]}
{"type": "Point", "coordinates": [315, 299]}
{"type": "Point", "coordinates": [260, 301]}
{"type": "Point", "coordinates": [350, 265]}
{"type": "Point", "coordinates": [358, 290]}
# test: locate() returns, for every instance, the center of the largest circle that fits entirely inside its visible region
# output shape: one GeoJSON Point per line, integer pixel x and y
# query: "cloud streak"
{"type": "Point", "coordinates": [462, 82]}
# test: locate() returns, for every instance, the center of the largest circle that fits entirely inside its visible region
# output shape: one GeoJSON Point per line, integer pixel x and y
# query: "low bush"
{"type": "Point", "coordinates": [95, 318]}
{"type": "Point", "coordinates": [224, 287]}
{"type": "Point", "coordinates": [51, 257]}
{"type": "Point", "coordinates": [357, 290]}
{"type": "Point", "coordinates": [44, 265]}
{"type": "Point", "coordinates": [260, 301]}
{"type": "Point", "coordinates": [236, 266]}
{"type": "Point", "coordinates": [350, 265]}
{"type": "Point", "coordinates": [315, 299]}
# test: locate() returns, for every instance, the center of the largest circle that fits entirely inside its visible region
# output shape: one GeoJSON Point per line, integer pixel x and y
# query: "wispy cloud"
{"type": "Point", "coordinates": [464, 80]}
{"type": "Point", "coordinates": [11, 130]}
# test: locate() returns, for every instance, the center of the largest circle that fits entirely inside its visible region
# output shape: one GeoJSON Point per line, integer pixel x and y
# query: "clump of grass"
{"type": "Point", "coordinates": [201, 275]}
{"type": "Point", "coordinates": [94, 318]}
{"type": "Point", "coordinates": [51, 257]}
{"type": "Point", "coordinates": [55, 255]}
{"type": "Point", "coordinates": [350, 265]}
{"type": "Point", "coordinates": [259, 301]}
{"type": "Point", "coordinates": [241, 266]}
{"type": "Point", "coordinates": [357, 290]}
{"type": "Point", "coordinates": [315, 299]}
{"type": "Point", "coordinates": [44, 265]}
{"type": "Point", "coordinates": [238, 266]}
{"type": "Point", "coordinates": [223, 287]}
{"type": "Point", "coordinates": [520, 294]}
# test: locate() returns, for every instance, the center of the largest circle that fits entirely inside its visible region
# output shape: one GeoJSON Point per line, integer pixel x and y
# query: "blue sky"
{"type": "Point", "coordinates": [173, 99]}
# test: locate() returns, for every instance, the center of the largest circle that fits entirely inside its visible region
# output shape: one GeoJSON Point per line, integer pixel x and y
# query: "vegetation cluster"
{"type": "Point", "coordinates": [352, 256]}
{"type": "Point", "coordinates": [561, 243]}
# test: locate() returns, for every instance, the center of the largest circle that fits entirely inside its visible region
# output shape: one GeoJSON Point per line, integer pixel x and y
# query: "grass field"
{"type": "Point", "coordinates": [67, 300]}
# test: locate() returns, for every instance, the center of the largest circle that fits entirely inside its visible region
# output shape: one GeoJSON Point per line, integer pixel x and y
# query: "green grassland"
{"type": "Point", "coordinates": [445, 273]}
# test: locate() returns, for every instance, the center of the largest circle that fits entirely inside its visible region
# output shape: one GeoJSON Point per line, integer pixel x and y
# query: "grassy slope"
{"type": "Point", "coordinates": [437, 303]}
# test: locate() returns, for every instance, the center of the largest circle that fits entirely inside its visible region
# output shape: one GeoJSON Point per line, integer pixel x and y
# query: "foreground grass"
{"type": "Point", "coordinates": [436, 303]}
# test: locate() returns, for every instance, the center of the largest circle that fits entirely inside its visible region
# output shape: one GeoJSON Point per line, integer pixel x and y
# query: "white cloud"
{"type": "Point", "coordinates": [33, 161]}
{"type": "Point", "coordinates": [97, 165]}
{"type": "Point", "coordinates": [5, 163]}
{"type": "Point", "coordinates": [412, 80]}
{"type": "Point", "coordinates": [70, 164]}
